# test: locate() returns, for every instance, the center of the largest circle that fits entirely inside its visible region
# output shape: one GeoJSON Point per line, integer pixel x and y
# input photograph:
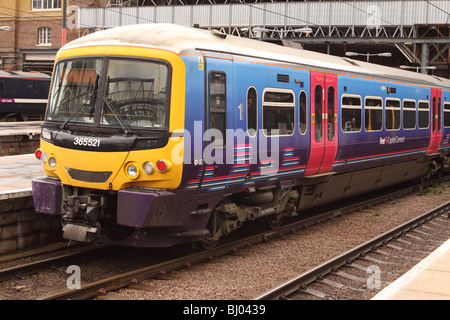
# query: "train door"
{"type": "Point", "coordinates": [436, 120]}
{"type": "Point", "coordinates": [218, 98]}
{"type": "Point", "coordinates": [324, 138]}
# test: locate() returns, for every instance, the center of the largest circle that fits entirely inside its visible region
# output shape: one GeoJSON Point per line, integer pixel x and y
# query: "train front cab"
{"type": "Point", "coordinates": [113, 119]}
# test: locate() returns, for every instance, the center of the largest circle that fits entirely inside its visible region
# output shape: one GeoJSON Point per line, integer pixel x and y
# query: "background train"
{"type": "Point", "coordinates": [158, 134]}
{"type": "Point", "coordinates": [23, 95]}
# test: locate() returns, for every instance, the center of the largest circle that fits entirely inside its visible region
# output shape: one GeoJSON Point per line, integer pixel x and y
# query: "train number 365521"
{"type": "Point", "coordinates": [88, 142]}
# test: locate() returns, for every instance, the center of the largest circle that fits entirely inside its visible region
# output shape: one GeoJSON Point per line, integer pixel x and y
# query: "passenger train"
{"type": "Point", "coordinates": [157, 135]}
{"type": "Point", "coordinates": [23, 95]}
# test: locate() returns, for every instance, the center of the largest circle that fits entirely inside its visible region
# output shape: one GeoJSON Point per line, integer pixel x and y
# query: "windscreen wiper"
{"type": "Point", "coordinates": [125, 128]}
{"type": "Point", "coordinates": [89, 98]}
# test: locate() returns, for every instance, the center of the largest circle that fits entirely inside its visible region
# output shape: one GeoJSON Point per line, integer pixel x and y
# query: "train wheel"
{"type": "Point", "coordinates": [208, 244]}
{"type": "Point", "coordinates": [273, 222]}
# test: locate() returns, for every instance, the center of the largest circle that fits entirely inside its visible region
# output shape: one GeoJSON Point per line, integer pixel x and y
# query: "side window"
{"type": "Point", "coordinates": [447, 115]}
{"type": "Point", "coordinates": [217, 105]}
{"type": "Point", "coordinates": [351, 110]}
{"type": "Point", "coordinates": [330, 105]}
{"type": "Point", "coordinates": [373, 114]}
{"type": "Point", "coordinates": [409, 114]}
{"type": "Point", "coordinates": [439, 111]}
{"type": "Point", "coordinates": [392, 114]}
{"type": "Point", "coordinates": [2, 88]}
{"type": "Point", "coordinates": [433, 123]}
{"type": "Point", "coordinates": [252, 112]}
{"type": "Point", "coordinates": [302, 112]}
{"type": "Point", "coordinates": [318, 113]}
{"type": "Point", "coordinates": [278, 112]}
{"type": "Point", "coordinates": [44, 36]}
{"type": "Point", "coordinates": [424, 114]}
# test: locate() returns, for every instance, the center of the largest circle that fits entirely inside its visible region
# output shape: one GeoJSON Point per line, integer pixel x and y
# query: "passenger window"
{"type": "Point", "coordinates": [424, 114]}
{"type": "Point", "coordinates": [433, 123]}
{"type": "Point", "coordinates": [409, 114]}
{"type": "Point", "coordinates": [217, 106]}
{"type": "Point", "coordinates": [447, 115]}
{"type": "Point", "coordinates": [302, 112]}
{"type": "Point", "coordinates": [330, 113]}
{"type": "Point", "coordinates": [2, 88]}
{"type": "Point", "coordinates": [278, 112]}
{"type": "Point", "coordinates": [351, 110]}
{"type": "Point", "coordinates": [252, 112]}
{"type": "Point", "coordinates": [392, 114]}
{"type": "Point", "coordinates": [439, 114]}
{"type": "Point", "coordinates": [373, 114]}
{"type": "Point", "coordinates": [318, 113]}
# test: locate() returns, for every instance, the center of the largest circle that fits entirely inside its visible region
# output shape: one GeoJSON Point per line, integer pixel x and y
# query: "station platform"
{"type": "Point", "coordinates": [19, 137]}
{"type": "Point", "coordinates": [428, 280]}
{"type": "Point", "coordinates": [16, 173]}
{"type": "Point", "coordinates": [20, 128]}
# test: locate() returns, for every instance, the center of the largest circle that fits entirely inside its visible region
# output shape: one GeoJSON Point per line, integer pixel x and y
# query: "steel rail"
{"type": "Point", "coordinates": [120, 281]}
{"type": "Point", "coordinates": [32, 267]}
{"type": "Point", "coordinates": [123, 280]}
{"type": "Point", "coordinates": [304, 279]}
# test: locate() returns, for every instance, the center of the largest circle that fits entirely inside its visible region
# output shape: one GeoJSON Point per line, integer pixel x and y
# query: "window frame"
{"type": "Point", "coordinates": [256, 108]}
{"type": "Point", "coordinates": [331, 117]}
{"type": "Point", "coordinates": [306, 113]}
{"type": "Point", "coordinates": [212, 110]}
{"type": "Point", "coordinates": [444, 111]}
{"type": "Point", "coordinates": [409, 109]}
{"type": "Point", "coordinates": [278, 104]}
{"type": "Point", "coordinates": [45, 33]}
{"type": "Point", "coordinates": [41, 2]}
{"type": "Point", "coordinates": [374, 108]}
{"type": "Point", "coordinates": [360, 107]}
{"type": "Point", "coordinates": [428, 110]}
{"type": "Point", "coordinates": [393, 109]}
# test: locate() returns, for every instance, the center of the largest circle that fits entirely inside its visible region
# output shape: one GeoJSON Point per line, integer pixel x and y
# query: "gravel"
{"type": "Point", "coordinates": [253, 271]}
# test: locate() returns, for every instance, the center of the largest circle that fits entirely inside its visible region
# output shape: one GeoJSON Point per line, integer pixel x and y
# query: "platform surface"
{"type": "Point", "coordinates": [16, 173]}
{"type": "Point", "coordinates": [20, 128]}
{"type": "Point", "coordinates": [428, 280]}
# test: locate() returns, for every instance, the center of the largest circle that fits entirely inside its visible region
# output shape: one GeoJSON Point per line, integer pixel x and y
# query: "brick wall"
{"type": "Point", "coordinates": [18, 144]}
{"type": "Point", "coordinates": [22, 228]}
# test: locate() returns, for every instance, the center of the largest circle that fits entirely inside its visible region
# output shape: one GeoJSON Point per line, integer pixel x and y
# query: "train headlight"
{"type": "Point", "coordinates": [132, 170]}
{"type": "Point", "coordinates": [148, 167]}
{"type": "Point", "coordinates": [52, 162]}
{"type": "Point", "coordinates": [46, 135]}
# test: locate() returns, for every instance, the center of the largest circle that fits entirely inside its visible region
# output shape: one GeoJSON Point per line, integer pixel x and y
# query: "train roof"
{"type": "Point", "coordinates": [23, 74]}
{"type": "Point", "coordinates": [182, 39]}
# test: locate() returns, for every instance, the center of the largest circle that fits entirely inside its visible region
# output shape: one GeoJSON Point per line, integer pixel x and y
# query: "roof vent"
{"type": "Point", "coordinates": [351, 61]}
{"type": "Point", "coordinates": [218, 34]}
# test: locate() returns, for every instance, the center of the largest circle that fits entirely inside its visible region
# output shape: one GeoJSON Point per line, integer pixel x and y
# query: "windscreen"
{"type": "Point", "coordinates": [111, 92]}
{"type": "Point", "coordinates": [74, 91]}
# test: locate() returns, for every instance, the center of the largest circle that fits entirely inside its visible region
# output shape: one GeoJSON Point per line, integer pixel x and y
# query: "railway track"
{"type": "Point", "coordinates": [131, 278]}
{"type": "Point", "coordinates": [411, 234]}
{"type": "Point", "coordinates": [36, 266]}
